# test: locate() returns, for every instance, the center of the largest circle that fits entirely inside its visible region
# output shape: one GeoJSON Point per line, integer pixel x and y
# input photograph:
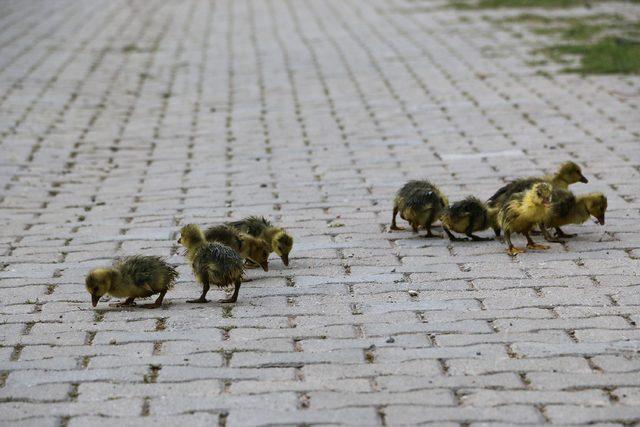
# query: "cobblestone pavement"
{"type": "Point", "coordinates": [123, 120]}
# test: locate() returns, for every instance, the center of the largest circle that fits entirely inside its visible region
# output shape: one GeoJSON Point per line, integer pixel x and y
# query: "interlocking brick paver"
{"type": "Point", "coordinates": [121, 121]}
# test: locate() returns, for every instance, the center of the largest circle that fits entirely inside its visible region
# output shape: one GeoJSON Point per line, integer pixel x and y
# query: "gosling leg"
{"type": "Point", "coordinates": [129, 302]}
{"type": "Point", "coordinates": [158, 301]}
{"type": "Point", "coordinates": [202, 299]}
{"type": "Point", "coordinates": [533, 245]}
{"type": "Point", "coordinates": [469, 233]}
{"type": "Point", "coordinates": [394, 226]}
{"type": "Point", "coordinates": [430, 234]}
{"type": "Point", "coordinates": [548, 237]}
{"type": "Point", "coordinates": [452, 237]}
{"type": "Point", "coordinates": [478, 238]}
{"type": "Point", "coordinates": [234, 297]}
{"type": "Point", "coordinates": [511, 250]}
{"type": "Point", "coordinates": [560, 233]}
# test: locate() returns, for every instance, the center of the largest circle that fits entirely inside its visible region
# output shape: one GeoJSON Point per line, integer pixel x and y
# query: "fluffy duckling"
{"type": "Point", "coordinates": [420, 203]}
{"type": "Point", "coordinates": [131, 278]}
{"type": "Point", "coordinates": [249, 247]}
{"type": "Point", "coordinates": [569, 209]}
{"type": "Point", "coordinates": [278, 240]}
{"type": "Point", "coordinates": [568, 173]}
{"type": "Point", "coordinates": [522, 211]}
{"type": "Point", "coordinates": [212, 263]}
{"type": "Point", "coordinates": [466, 216]}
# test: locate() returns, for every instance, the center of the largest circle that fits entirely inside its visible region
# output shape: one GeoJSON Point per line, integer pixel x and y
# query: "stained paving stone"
{"type": "Point", "coordinates": [121, 121]}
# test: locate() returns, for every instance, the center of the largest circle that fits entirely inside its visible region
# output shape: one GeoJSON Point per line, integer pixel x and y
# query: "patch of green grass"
{"type": "Point", "coordinates": [581, 31]}
{"type": "Point", "coordinates": [594, 44]}
{"type": "Point", "coordinates": [496, 4]}
{"type": "Point", "coordinates": [611, 55]}
{"type": "Point", "coordinates": [575, 31]}
{"type": "Point", "coordinates": [513, 4]}
{"type": "Point", "coordinates": [528, 18]}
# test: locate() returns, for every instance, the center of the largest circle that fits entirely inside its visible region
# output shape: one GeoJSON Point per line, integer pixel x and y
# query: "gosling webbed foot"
{"type": "Point", "coordinates": [151, 305]}
{"type": "Point", "coordinates": [513, 251]}
{"type": "Point", "coordinates": [537, 246]}
{"type": "Point", "coordinates": [560, 233]}
{"type": "Point", "coordinates": [479, 239]}
{"type": "Point", "coordinates": [453, 237]}
{"type": "Point", "coordinates": [554, 239]}
{"type": "Point", "coordinates": [197, 301]}
{"type": "Point", "coordinates": [431, 235]}
{"type": "Point", "coordinates": [129, 302]}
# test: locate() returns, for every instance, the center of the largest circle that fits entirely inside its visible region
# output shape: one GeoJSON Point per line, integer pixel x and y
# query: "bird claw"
{"type": "Point", "coordinates": [197, 301]}
{"type": "Point", "coordinates": [151, 306]}
{"type": "Point", "coordinates": [396, 228]}
{"type": "Point", "coordinates": [555, 240]}
{"type": "Point", "coordinates": [515, 251]}
{"type": "Point", "coordinates": [227, 300]}
{"type": "Point", "coordinates": [123, 304]}
{"type": "Point", "coordinates": [538, 246]}
{"type": "Point", "coordinates": [565, 235]}
{"type": "Point", "coordinates": [431, 235]}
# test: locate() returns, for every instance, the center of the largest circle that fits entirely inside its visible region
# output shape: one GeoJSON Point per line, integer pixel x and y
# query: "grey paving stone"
{"type": "Point", "coordinates": [121, 122]}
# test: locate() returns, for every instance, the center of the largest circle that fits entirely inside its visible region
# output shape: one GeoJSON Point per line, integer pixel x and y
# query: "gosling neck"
{"type": "Point", "coordinates": [243, 248]}
{"type": "Point", "coordinates": [559, 182]}
{"type": "Point", "coordinates": [270, 233]}
{"type": "Point", "coordinates": [192, 249]}
{"type": "Point", "coordinates": [580, 213]}
{"type": "Point", "coordinates": [116, 280]}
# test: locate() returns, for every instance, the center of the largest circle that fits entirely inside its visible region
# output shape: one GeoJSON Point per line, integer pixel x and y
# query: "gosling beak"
{"type": "Point", "coordinates": [94, 300]}
{"type": "Point", "coordinates": [601, 220]}
{"type": "Point", "coordinates": [583, 179]}
{"type": "Point", "coordinates": [285, 260]}
{"type": "Point", "coordinates": [546, 203]}
{"type": "Point", "coordinates": [265, 266]}
{"type": "Point", "coordinates": [179, 240]}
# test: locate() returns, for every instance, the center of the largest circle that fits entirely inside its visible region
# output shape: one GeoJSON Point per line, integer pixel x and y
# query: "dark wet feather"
{"type": "Point", "coordinates": [562, 203]}
{"type": "Point", "coordinates": [224, 234]}
{"type": "Point", "coordinates": [472, 207]}
{"type": "Point", "coordinates": [419, 194]}
{"type": "Point", "coordinates": [252, 225]}
{"type": "Point", "coordinates": [509, 212]}
{"type": "Point", "coordinates": [505, 192]}
{"type": "Point", "coordinates": [141, 270]}
{"type": "Point", "coordinates": [221, 264]}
